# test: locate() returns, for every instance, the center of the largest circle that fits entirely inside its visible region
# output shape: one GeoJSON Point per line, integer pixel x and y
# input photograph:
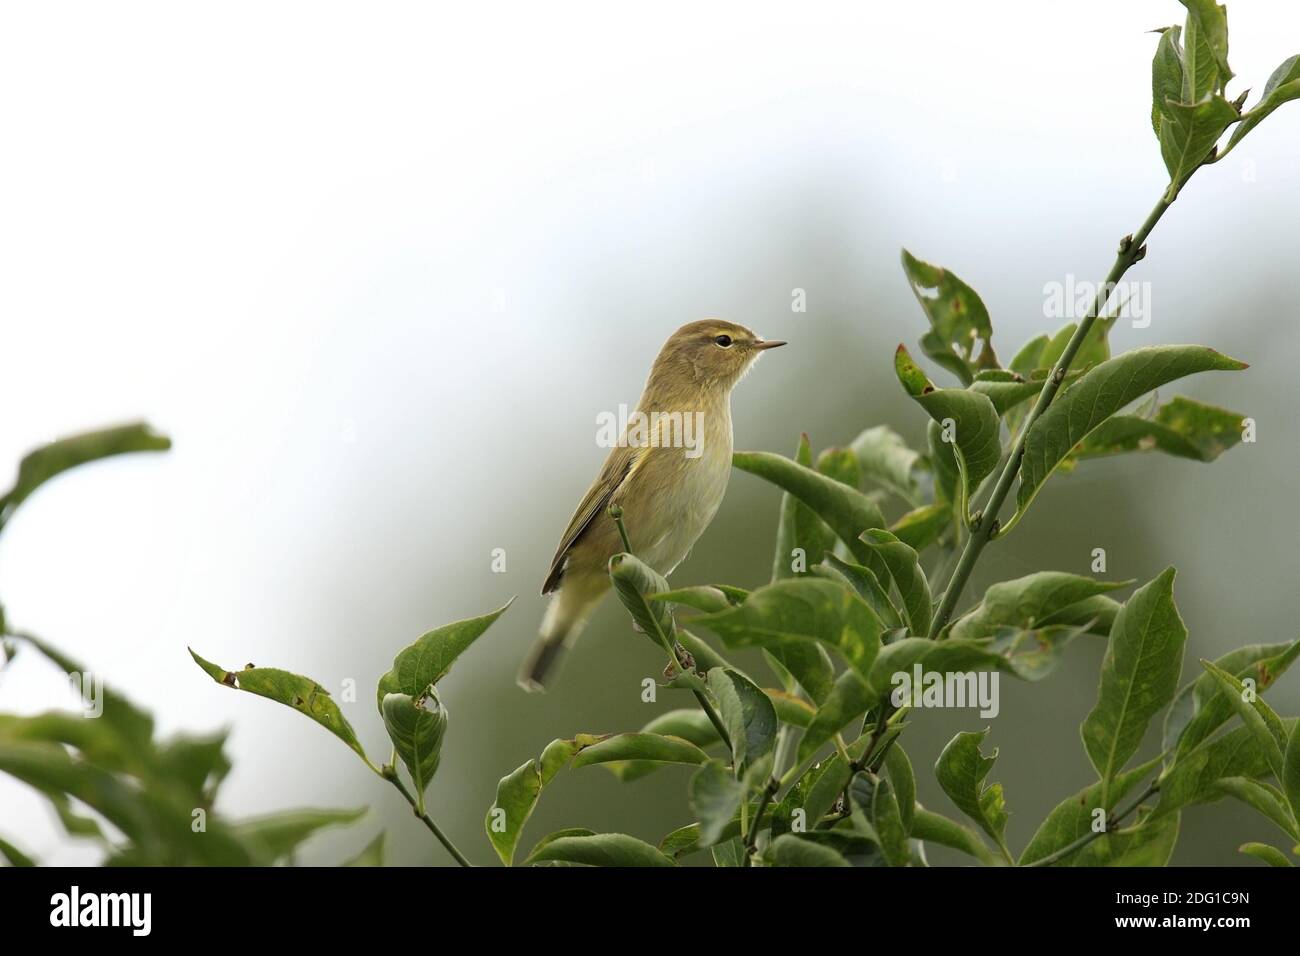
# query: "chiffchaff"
{"type": "Point", "coordinates": [668, 473]}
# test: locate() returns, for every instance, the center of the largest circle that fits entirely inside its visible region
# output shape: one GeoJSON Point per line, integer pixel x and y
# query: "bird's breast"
{"type": "Point", "coordinates": [686, 486]}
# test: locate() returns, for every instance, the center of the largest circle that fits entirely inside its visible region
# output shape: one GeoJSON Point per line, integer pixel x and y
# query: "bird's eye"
{"type": "Point", "coordinates": [724, 341]}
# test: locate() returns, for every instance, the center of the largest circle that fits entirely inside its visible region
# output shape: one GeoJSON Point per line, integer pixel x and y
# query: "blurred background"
{"type": "Point", "coordinates": [377, 268]}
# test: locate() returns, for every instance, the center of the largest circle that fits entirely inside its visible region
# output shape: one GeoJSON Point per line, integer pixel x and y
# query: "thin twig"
{"type": "Point", "coordinates": [389, 773]}
{"type": "Point", "coordinates": [751, 838]}
{"type": "Point", "coordinates": [670, 644]}
{"type": "Point", "coordinates": [1131, 249]}
{"type": "Point", "coordinates": [1111, 826]}
{"type": "Point", "coordinates": [616, 512]}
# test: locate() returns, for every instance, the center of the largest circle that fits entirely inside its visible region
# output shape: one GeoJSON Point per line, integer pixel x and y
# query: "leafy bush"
{"type": "Point", "coordinates": [812, 771]}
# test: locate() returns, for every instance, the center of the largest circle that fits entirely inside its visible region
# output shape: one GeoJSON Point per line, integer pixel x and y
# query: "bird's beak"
{"type": "Point", "coordinates": [774, 344]}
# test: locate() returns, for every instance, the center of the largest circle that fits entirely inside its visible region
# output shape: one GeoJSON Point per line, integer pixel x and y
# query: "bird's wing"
{"type": "Point", "coordinates": [620, 464]}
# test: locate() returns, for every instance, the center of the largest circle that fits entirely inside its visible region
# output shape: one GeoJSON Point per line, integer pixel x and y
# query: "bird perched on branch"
{"type": "Point", "coordinates": [668, 471]}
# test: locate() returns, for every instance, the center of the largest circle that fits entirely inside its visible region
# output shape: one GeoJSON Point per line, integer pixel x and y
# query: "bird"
{"type": "Point", "coordinates": [668, 491]}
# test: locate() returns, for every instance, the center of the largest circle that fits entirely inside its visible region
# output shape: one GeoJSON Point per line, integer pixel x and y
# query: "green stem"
{"type": "Point", "coordinates": [751, 837]}
{"type": "Point", "coordinates": [1111, 825]}
{"type": "Point", "coordinates": [389, 773]}
{"type": "Point", "coordinates": [712, 714]}
{"type": "Point", "coordinates": [1130, 251]}
{"type": "Point", "coordinates": [616, 512]}
{"type": "Point", "coordinates": [668, 645]}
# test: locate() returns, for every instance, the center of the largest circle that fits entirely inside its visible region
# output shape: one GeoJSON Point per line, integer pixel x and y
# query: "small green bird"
{"type": "Point", "coordinates": [668, 472]}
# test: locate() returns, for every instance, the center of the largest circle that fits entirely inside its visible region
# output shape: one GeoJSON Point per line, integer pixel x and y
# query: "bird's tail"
{"type": "Point", "coordinates": [564, 620]}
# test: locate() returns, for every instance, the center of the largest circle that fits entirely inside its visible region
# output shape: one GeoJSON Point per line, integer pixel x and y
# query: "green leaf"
{"type": "Point", "coordinates": [873, 798]}
{"type": "Point", "coordinates": [600, 849]}
{"type": "Point", "coordinates": [961, 770]}
{"type": "Point", "coordinates": [968, 421]}
{"type": "Point", "coordinates": [909, 579]}
{"type": "Point", "coordinates": [1030, 363]}
{"type": "Point", "coordinates": [1282, 86]}
{"type": "Point", "coordinates": [706, 658]}
{"type": "Point", "coordinates": [899, 771]}
{"type": "Point", "coordinates": [824, 787]}
{"type": "Point", "coordinates": [947, 474]}
{"type": "Point", "coordinates": [840, 464]}
{"type": "Point", "coordinates": [799, 528]}
{"type": "Point", "coordinates": [1030, 356]}
{"type": "Point", "coordinates": [1166, 74]}
{"type": "Point", "coordinates": [1099, 394]}
{"type": "Point", "coordinates": [123, 731]}
{"type": "Point", "coordinates": [685, 840]}
{"type": "Point", "coordinates": [1139, 676]}
{"type": "Point", "coordinates": [518, 793]}
{"type": "Point", "coordinates": [790, 708]}
{"type": "Point", "coordinates": [687, 723]}
{"type": "Point", "coordinates": [155, 819]}
{"type": "Point", "coordinates": [650, 747]}
{"type": "Point", "coordinates": [1072, 818]}
{"type": "Point", "coordinates": [847, 511]}
{"type": "Point", "coordinates": [886, 460]}
{"type": "Point", "coordinates": [1205, 36]}
{"type": "Point", "coordinates": [1255, 714]}
{"type": "Point", "coordinates": [1262, 851]}
{"type": "Point", "coordinates": [428, 660]}
{"type": "Point", "coordinates": [802, 610]}
{"type": "Point", "coordinates": [849, 699]}
{"type": "Point", "coordinates": [1037, 600]}
{"type": "Point", "coordinates": [701, 598]}
{"type": "Point", "coordinates": [1034, 653]}
{"type": "Point", "coordinates": [791, 850]}
{"type": "Point", "coordinates": [39, 466]}
{"type": "Point", "coordinates": [869, 588]}
{"type": "Point", "coordinates": [729, 854]}
{"type": "Point", "coordinates": [278, 835]}
{"type": "Point", "coordinates": [922, 526]}
{"type": "Point", "coordinates": [195, 762]}
{"type": "Point", "coordinates": [1181, 427]}
{"type": "Point", "coordinates": [1188, 132]}
{"type": "Point", "coordinates": [293, 690]}
{"type": "Point", "coordinates": [808, 664]}
{"type": "Point", "coordinates": [1199, 709]}
{"type": "Point", "coordinates": [1098, 613]}
{"type": "Point", "coordinates": [1006, 390]}
{"type": "Point", "coordinates": [558, 834]}
{"type": "Point", "coordinates": [934, 657]}
{"type": "Point", "coordinates": [1264, 797]}
{"type": "Point", "coordinates": [935, 828]}
{"type": "Point", "coordinates": [1290, 778]}
{"type": "Point", "coordinates": [14, 856]}
{"type": "Point", "coordinates": [715, 797]}
{"type": "Point", "coordinates": [1149, 842]}
{"type": "Point", "coordinates": [416, 727]}
{"type": "Point", "coordinates": [371, 855]}
{"type": "Point", "coordinates": [958, 319]}
{"type": "Point", "coordinates": [1194, 777]}
{"type": "Point", "coordinates": [747, 713]}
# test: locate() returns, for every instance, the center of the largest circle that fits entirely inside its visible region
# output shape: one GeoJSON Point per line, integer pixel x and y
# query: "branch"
{"type": "Point", "coordinates": [389, 773]}
{"type": "Point", "coordinates": [1131, 249]}
{"type": "Point", "coordinates": [1111, 826]}
{"type": "Point", "coordinates": [669, 645]}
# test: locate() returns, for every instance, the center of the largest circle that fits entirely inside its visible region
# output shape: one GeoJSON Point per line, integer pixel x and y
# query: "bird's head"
{"type": "Point", "coordinates": [708, 353]}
